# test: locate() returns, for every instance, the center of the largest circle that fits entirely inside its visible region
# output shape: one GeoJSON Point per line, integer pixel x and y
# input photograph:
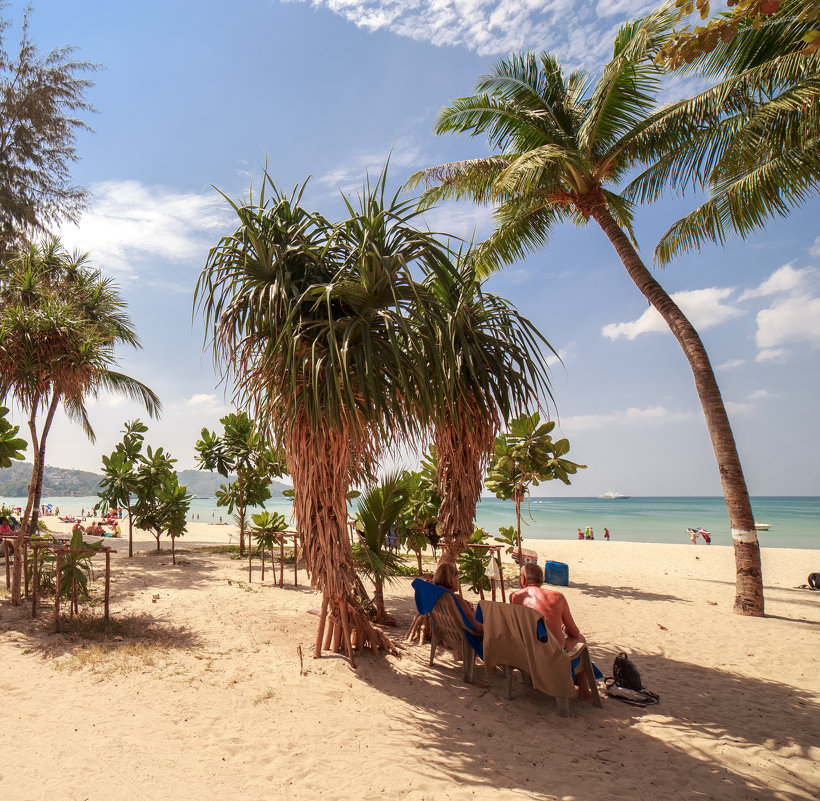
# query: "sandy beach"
{"type": "Point", "coordinates": [199, 691]}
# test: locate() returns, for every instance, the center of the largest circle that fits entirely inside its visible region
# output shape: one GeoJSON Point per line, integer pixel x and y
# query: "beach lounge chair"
{"type": "Point", "coordinates": [516, 637]}
{"type": "Point", "coordinates": [448, 625]}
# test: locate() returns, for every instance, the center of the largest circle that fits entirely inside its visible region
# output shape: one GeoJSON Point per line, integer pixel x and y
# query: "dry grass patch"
{"type": "Point", "coordinates": [115, 657]}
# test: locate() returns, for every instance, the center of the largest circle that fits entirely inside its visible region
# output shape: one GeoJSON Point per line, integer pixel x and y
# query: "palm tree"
{"type": "Point", "coordinates": [562, 146]}
{"type": "Point", "coordinates": [754, 137]}
{"type": "Point", "coordinates": [491, 367]}
{"type": "Point", "coordinates": [379, 510]}
{"type": "Point", "coordinates": [320, 325]}
{"type": "Point", "coordinates": [60, 325]}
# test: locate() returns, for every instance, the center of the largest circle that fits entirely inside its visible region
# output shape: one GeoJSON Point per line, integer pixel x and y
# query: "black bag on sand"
{"type": "Point", "coordinates": [625, 684]}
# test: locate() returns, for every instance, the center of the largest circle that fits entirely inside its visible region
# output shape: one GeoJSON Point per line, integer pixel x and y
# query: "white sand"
{"type": "Point", "coordinates": [222, 710]}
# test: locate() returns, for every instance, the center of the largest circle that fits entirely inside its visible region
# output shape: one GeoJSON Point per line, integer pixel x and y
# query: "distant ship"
{"type": "Point", "coordinates": [612, 496]}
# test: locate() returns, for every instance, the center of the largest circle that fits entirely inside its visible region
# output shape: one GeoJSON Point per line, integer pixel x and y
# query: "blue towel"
{"type": "Point", "coordinates": [428, 593]}
{"type": "Point", "coordinates": [542, 635]}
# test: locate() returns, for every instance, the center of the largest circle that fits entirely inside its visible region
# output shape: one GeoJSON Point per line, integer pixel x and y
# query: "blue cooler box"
{"type": "Point", "coordinates": [556, 573]}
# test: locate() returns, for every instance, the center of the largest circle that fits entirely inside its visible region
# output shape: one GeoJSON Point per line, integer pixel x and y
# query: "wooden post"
{"type": "Point", "coordinates": [281, 560]}
{"type": "Point", "coordinates": [250, 559]}
{"type": "Point", "coordinates": [263, 562]}
{"type": "Point", "coordinates": [35, 575]}
{"type": "Point", "coordinates": [295, 561]}
{"type": "Point", "coordinates": [25, 566]}
{"type": "Point", "coordinates": [317, 651]}
{"type": "Point", "coordinates": [7, 551]}
{"type": "Point", "coordinates": [501, 572]}
{"type": "Point", "coordinates": [107, 580]}
{"type": "Point", "coordinates": [57, 591]}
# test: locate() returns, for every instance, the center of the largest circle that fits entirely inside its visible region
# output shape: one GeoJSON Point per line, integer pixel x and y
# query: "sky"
{"type": "Point", "coordinates": [191, 97]}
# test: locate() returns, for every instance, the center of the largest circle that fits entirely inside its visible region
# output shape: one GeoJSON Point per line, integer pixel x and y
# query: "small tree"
{"type": "Point", "coordinates": [472, 563]}
{"type": "Point", "coordinates": [266, 526]}
{"type": "Point", "coordinates": [421, 506]}
{"type": "Point", "coordinates": [241, 450]}
{"type": "Point", "coordinates": [174, 503]}
{"type": "Point", "coordinates": [154, 470]}
{"type": "Point", "coordinates": [525, 456]}
{"type": "Point", "coordinates": [379, 510]}
{"type": "Point", "coordinates": [119, 484]}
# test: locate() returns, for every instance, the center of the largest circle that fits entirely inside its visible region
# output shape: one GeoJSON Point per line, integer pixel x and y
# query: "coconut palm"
{"type": "Point", "coordinates": [754, 137]}
{"type": "Point", "coordinates": [491, 366]}
{"type": "Point", "coordinates": [562, 145]}
{"type": "Point", "coordinates": [324, 328]}
{"type": "Point", "coordinates": [60, 325]}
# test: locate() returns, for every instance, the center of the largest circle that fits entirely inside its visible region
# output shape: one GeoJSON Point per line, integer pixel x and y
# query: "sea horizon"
{"type": "Point", "coordinates": [794, 519]}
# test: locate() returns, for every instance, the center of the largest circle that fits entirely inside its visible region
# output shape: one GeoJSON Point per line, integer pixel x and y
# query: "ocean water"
{"type": "Point", "coordinates": [795, 522]}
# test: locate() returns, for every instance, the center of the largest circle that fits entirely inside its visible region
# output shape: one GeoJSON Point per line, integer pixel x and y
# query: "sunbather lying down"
{"type": "Point", "coordinates": [555, 609]}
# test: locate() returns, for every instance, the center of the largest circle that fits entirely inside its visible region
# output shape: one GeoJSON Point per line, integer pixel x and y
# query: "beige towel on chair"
{"type": "Point", "coordinates": [511, 638]}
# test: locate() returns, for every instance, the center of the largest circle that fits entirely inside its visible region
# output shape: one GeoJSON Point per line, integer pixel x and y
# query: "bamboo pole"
{"type": "Point", "coordinates": [317, 651]}
{"type": "Point", "coordinates": [107, 580]}
{"type": "Point", "coordinates": [57, 591]}
{"type": "Point", "coordinates": [263, 563]}
{"type": "Point", "coordinates": [36, 576]}
{"type": "Point", "coordinates": [281, 560]}
{"type": "Point", "coordinates": [25, 565]}
{"type": "Point", "coordinates": [250, 560]}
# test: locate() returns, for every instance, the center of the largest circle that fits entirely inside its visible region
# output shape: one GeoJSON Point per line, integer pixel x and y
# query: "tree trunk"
{"type": "Point", "coordinates": [241, 517]}
{"type": "Point", "coordinates": [748, 578]}
{"type": "Point", "coordinates": [418, 558]}
{"type": "Point", "coordinates": [130, 533]}
{"type": "Point", "coordinates": [320, 463]}
{"type": "Point", "coordinates": [464, 443]}
{"type": "Point", "coordinates": [35, 491]}
{"type": "Point", "coordinates": [173, 550]}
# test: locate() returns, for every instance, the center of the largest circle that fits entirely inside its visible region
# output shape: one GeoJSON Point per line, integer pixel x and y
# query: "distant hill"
{"type": "Point", "coordinates": [57, 481]}
{"type": "Point", "coordinates": [205, 484]}
{"type": "Point", "coordinates": [61, 482]}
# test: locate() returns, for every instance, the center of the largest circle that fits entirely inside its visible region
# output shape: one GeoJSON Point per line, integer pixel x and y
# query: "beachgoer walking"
{"type": "Point", "coordinates": [693, 535]}
{"type": "Point", "coordinates": [606, 534]}
{"type": "Point", "coordinates": [586, 533]}
{"type": "Point", "coordinates": [705, 534]}
{"type": "Point", "coordinates": [580, 534]}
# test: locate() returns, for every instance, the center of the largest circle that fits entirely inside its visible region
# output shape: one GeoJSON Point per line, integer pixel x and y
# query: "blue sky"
{"type": "Point", "coordinates": [196, 95]}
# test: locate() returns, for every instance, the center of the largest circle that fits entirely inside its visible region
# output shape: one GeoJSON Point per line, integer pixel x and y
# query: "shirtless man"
{"type": "Point", "coordinates": [555, 609]}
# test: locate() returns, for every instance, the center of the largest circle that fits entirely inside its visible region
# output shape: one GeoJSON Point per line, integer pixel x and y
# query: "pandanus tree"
{"type": "Point", "coordinates": [491, 367]}
{"type": "Point", "coordinates": [562, 145]}
{"type": "Point", "coordinates": [61, 323]}
{"type": "Point", "coordinates": [325, 331]}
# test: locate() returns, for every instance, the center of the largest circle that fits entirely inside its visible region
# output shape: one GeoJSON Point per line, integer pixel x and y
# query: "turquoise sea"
{"type": "Point", "coordinates": [795, 521]}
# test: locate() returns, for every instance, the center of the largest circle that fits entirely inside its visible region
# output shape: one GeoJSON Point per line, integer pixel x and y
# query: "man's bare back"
{"type": "Point", "coordinates": [555, 609]}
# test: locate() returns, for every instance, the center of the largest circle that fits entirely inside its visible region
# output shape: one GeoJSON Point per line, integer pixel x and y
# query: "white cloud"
{"type": "Point", "coordinates": [731, 364]}
{"type": "Point", "coordinates": [655, 415]}
{"type": "Point", "coordinates": [129, 223]}
{"type": "Point", "coordinates": [703, 307]}
{"type": "Point", "coordinates": [790, 320]}
{"type": "Point", "coordinates": [571, 28]}
{"type": "Point", "coordinates": [735, 407]}
{"type": "Point", "coordinates": [771, 355]}
{"type": "Point", "coordinates": [759, 394]}
{"type": "Point", "coordinates": [815, 248]}
{"type": "Point", "coordinates": [206, 403]}
{"type": "Point", "coordinates": [784, 279]}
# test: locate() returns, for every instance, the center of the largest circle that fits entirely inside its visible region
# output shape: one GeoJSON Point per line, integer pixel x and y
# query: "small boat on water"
{"type": "Point", "coordinates": [609, 495]}
{"type": "Point", "coordinates": [762, 526]}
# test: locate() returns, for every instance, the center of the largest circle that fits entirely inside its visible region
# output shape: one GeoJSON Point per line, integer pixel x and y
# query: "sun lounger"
{"type": "Point", "coordinates": [449, 626]}
{"type": "Point", "coordinates": [517, 637]}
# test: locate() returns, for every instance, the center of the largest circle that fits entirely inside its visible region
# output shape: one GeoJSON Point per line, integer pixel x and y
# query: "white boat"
{"type": "Point", "coordinates": [609, 495]}
{"type": "Point", "coordinates": [762, 526]}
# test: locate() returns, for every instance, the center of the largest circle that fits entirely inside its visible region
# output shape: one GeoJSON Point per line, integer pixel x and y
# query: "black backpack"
{"type": "Point", "coordinates": [625, 684]}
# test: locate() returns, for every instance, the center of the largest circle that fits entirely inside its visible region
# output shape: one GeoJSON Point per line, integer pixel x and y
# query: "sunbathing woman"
{"type": "Point", "coordinates": [446, 576]}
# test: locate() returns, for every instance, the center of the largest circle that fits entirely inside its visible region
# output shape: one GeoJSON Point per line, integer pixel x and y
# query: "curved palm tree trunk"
{"type": "Point", "coordinates": [463, 446]}
{"type": "Point", "coordinates": [749, 580]}
{"type": "Point", "coordinates": [320, 466]}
